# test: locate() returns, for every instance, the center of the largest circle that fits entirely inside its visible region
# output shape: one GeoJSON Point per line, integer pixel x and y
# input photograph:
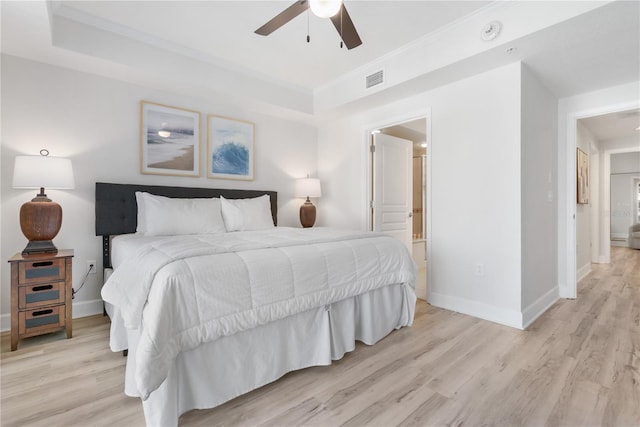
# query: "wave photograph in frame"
{"type": "Point", "coordinates": [169, 140]}
{"type": "Point", "coordinates": [230, 148]}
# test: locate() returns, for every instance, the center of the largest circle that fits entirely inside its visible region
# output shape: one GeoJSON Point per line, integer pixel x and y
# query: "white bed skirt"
{"type": "Point", "coordinates": [221, 370]}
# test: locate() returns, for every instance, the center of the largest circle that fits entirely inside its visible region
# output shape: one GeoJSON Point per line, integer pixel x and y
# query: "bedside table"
{"type": "Point", "coordinates": [40, 294]}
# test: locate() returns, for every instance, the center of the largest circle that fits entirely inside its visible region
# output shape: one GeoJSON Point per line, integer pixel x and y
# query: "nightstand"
{"type": "Point", "coordinates": [40, 294]}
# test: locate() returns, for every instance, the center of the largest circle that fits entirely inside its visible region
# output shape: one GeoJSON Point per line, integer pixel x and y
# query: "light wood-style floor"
{"type": "Point", "coordinates": [578, 365]}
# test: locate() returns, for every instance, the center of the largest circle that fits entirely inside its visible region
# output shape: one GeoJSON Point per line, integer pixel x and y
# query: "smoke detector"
{"type": "Point", "coordinates": [491, 31]}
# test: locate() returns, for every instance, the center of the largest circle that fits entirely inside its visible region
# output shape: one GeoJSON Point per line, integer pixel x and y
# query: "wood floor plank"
{"type": "Point", "coordinates": [577, 365]}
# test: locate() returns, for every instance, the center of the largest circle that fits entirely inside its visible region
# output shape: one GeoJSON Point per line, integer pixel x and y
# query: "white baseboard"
{"type": "Point", "coordinates": [87, 308]}
{"type": "Point", "coordinates": [5, 322]}
{"type": "Point", "coordinates": [620, 243]}
{"type": "Point", "coordinates": [603, 260]}
{"type": "Point", "coordinates": [583, 271]}
{"type": "Point", "coordinates": [565, 292]}
{"type": "Point", "coordinates": [477, 309]}
{"type": "Point", "coordinates": [542, 304]}
{"type": "Point", "coordinates": [80, 309]}
{"type": "Point", "coordinates": [619, 236]}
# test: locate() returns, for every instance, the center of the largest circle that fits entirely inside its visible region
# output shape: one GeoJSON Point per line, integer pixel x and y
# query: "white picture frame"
{"type": "Point", "coordinates": [230, 153]}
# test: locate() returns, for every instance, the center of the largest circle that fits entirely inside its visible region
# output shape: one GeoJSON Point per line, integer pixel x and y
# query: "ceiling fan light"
{"type": "Point", "coordinates": [325, 8]}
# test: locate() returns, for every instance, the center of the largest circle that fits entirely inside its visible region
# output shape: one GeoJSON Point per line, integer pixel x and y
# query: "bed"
{"type": "Point", "coordinates": [208, 316]}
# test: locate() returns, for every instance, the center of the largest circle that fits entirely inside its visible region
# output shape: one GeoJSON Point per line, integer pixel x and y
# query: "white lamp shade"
{"type": "Point", "coordinates": [43, 171]}
{"type": "Point", "coordinates": [325, 8]}
{"type": "Point", "coordinates": [308, 187]}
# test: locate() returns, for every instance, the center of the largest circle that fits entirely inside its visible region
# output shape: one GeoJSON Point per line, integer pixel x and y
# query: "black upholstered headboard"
{"type": "Point", "coordinates": [117, 211]}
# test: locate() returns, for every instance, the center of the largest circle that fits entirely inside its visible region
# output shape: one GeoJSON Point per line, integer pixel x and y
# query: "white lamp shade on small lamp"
{"type": "Point", "coordinates": [308, 187]}
{"type": "Point", "coordinates": [43, 171]}
{"type": "Point", "coordinates": [41, 218]}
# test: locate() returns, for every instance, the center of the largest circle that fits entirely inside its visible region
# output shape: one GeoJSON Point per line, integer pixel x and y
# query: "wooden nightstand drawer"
{"type": "Point", "coordinates": [41, 290]}
{"type": "Point", "coordinates": [38, 271]}
{"type": "Point", "coordinates": [40, 320]}
{"type": "Point", "coordinates": [33, 296]}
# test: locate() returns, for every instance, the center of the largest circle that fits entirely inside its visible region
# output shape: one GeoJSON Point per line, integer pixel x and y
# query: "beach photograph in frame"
{"type": "Point", "coordinates": [169, 140]}
{"type": "Point", "coordinates": [230, 148]}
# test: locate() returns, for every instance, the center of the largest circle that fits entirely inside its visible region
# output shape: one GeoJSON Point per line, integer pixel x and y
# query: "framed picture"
{"type": "Point", "coordinates": [230, 148]}
{"type": "Point", "coordinates": [169, 140]}
{"type": "Point", "coordinates": [583, 177]}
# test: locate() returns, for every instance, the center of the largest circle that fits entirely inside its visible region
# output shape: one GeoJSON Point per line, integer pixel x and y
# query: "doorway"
{"type": "Point", "coordinates": [619, 137]}
{"type": "Point", "coordinates": [398, 188]}
{"type": "Point", "coordinates": [636, 185]}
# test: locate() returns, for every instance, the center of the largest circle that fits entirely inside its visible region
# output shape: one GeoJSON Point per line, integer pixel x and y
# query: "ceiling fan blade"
{"type": "Point", "coordinates": [343, 23]}
{"type": "Point", "coordinates": [283, 17]}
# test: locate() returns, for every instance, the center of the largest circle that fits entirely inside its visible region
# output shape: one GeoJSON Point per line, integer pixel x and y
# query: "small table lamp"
{"type": "Point", "coordinates": [41, 218]}
{"type": "Point", "coordinates": [308, 187]}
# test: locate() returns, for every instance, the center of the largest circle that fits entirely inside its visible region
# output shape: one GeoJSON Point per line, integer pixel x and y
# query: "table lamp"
{"type": "Point", "coordinates": [308, 187]}
{"type": "Point", "coordinates": [41, 218]}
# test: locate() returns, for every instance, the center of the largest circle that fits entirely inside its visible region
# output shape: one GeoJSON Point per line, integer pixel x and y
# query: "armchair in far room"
{"type": "Point", "coordinates": [634, 236]}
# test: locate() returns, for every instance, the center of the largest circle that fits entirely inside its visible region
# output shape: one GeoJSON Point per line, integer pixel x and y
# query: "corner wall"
{"type": "Point", "coordinates": [475, 187]}
{"type": "Point", "coordinates": [539, 205]}
{"type": "Point", "coordinates": [95, 121]}
{"type": "Point", "coordinates": [584, 212]}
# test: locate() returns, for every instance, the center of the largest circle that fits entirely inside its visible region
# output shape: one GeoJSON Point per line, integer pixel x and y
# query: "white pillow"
{"type": "Point", "coordinates": [142, 220]}
{"type": "Point", "coordinates": [173, 216]}
{"type": "Point", "coordinates": [247, 214]}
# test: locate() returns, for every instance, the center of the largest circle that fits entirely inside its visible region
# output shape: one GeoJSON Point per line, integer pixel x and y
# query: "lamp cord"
{"type": "Point", "coordinates": [84, 280]}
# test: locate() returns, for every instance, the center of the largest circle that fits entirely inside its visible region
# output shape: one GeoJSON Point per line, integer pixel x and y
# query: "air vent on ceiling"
{"type": "Point", "coordinates": [375, 79]}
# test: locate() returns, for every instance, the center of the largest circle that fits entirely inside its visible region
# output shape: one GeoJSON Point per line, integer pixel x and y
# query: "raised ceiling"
{"type": "Point", "coordinates": [223, 31]}
{"type": "Point", "coordinates": [208, 48]}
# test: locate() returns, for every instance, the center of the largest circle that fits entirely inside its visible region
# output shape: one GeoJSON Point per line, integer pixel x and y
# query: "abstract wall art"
{"type": "Point", "coordinates": [582, 168]}
{"type": "Point", "coordinates": [230, 148]}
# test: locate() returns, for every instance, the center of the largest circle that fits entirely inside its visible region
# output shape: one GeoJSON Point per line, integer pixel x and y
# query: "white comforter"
{"type": "Point", "coordinates": [183, 291]}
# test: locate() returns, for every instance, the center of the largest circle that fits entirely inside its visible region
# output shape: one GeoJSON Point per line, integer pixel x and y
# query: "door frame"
{"type": "Point", "coordinates": [636, 199]}
{"type": "Point", "coordinates": [368, 182]}
{"type": "Point", "coordinates": [567, 274]}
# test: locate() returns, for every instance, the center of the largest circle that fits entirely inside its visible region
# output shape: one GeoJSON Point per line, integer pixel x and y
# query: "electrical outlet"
{"type": "Point", "coordinates": [90, 269]}
{"type": "Point", "coordinates": [479, 269]}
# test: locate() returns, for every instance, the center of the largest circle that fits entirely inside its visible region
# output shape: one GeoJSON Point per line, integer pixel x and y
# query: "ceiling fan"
{"type": "Point", "coordinates": [333, 9]}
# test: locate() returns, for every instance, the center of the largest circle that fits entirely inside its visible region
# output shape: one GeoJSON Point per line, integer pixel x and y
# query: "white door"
{"type": "Point", "coordinates": [392, 205]}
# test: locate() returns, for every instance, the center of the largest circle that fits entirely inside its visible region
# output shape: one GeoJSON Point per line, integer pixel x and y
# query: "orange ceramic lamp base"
{"type": "Point", "coordinates": [307, 214]}
{"type": "Point", "coordinates": [40, 221]}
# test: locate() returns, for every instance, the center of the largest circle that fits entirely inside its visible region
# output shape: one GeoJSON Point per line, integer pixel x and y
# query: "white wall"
{"type": "Point", "coordinates": [595, 200]}
{"type": "Point", "coordinates": [625, 162]}
{"type": "Point", "coordinates": [539, 179]}
{"type": "Point", "coordinates": [94, 121]}
{"type": "Point", "coordinates": [607, 149]}
{"type": "Point", "coordinates": [622, 205]}
{"type": "Point", "coordinates": [584, 140]}
{"type": "Point", "coordinates": [625, 170]}
{"type": "Point", "coordinates": [607, 100]}
{"type": "Point", "coordinates": [474, 190]}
